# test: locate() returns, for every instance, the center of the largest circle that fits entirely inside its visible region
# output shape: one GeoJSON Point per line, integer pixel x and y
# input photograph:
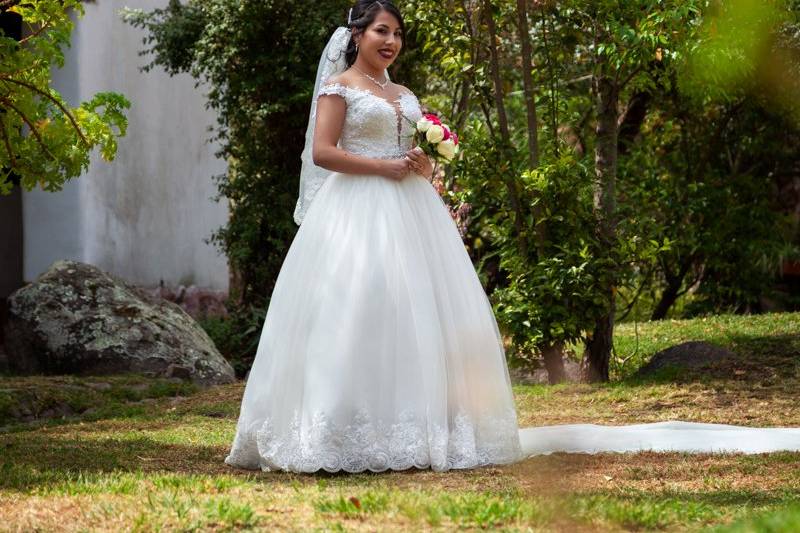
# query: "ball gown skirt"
{"type": "Point", "coordinates": [379, 349]}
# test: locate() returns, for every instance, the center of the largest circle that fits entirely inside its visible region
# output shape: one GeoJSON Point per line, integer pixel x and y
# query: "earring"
{"type": "Point", "coordinates": [356, 47]}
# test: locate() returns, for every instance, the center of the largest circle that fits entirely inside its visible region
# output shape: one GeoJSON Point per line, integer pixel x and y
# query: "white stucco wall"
{"type": "Point", "coordinates": [145, 215]}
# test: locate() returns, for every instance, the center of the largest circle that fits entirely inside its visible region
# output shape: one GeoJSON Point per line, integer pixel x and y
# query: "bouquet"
{"type": "Point", "coordinates": [435, 138]}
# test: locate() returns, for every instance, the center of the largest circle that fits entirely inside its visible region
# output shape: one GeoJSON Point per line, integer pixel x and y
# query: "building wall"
{"type": "Point", "coordinates": [145, 215]}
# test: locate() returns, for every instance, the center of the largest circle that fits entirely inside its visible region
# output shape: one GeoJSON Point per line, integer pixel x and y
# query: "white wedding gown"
{"type": "Point", "coordinates": [380, 350]}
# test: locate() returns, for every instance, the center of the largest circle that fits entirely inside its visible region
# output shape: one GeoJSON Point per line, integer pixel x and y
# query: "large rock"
{"type": "Point", "coordinates": [77, 319]}
{"type": "Point", "coordinates": [687, 355]}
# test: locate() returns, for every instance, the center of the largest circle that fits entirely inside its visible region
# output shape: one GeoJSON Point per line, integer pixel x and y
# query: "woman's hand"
{"type": "Point", "coordinates": [419, 162]}
{"type": "Point", "coordinates": [395, 169]}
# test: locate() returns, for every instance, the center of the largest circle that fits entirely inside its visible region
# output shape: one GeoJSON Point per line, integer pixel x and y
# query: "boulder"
{"type": "Point", "coordinates": [77, 319]}
{"type": "Point", "coordinates": [687, 355]}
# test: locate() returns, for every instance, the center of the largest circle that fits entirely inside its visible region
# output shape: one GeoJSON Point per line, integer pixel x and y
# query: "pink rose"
{"type": "Point", "coordinates": [455, 139]}
{"type": "Point", "coordinates": [446, 134]}
{"type": "Point", "coordinates": [433, 118]}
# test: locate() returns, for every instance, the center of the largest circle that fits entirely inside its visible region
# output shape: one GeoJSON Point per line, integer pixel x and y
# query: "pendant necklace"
{"type": "Point", "coordinates": [373, 80]}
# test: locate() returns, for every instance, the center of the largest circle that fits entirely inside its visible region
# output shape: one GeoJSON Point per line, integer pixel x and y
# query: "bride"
{"type": "Point", "coordinates": [379, 348]}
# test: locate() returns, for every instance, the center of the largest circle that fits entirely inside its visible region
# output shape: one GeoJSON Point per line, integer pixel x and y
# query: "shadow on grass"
{"type": "Point", "coordinates": [44, 462]}
{"type": "Point", "coordinates": [764, 360]}
{"type": "Point", "coordinates": [38, 461]}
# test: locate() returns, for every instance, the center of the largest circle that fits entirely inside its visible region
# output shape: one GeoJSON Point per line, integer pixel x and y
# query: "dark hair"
{"type": "Point", "coordinates": [362, 15]}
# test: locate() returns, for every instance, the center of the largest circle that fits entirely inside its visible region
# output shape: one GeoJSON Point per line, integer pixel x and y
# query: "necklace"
{"type": "Point", "coordinates": [373, 80]}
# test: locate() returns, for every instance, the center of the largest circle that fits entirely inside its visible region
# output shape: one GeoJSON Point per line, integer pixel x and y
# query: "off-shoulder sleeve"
{"type": "Point", "coordinates": [333, 88]}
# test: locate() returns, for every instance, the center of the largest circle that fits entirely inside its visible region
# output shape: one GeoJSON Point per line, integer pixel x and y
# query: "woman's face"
{"type": "Point", "coordinates": [381, 41]}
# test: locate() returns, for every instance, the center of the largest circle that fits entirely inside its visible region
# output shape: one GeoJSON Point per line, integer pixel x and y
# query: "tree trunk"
{"type": "Point", "coordinates": [666, 301]}
{"type": "Point", "coordinates": [502, 120]}
{"type": "Point", "coordinates": [527, 84]}
{"type": "Point", "coordinates": [494, 63]}
{"type": "Point", "coordinates": [553, 355]}
{"type": "Point", "coordinates": [630, 123]}
{"type": "Point", "coordinates": [606, 92]}
{"type": "Point", "coordinates": [672, 291]}
{"type": "Point", "coordinates": [540, 231]}
{"type": "Point", "coordinates": [598, 348]}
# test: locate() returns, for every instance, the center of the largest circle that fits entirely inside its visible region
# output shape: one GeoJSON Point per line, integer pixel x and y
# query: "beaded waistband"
{"type": "Point", "coordinates": [388, 156]}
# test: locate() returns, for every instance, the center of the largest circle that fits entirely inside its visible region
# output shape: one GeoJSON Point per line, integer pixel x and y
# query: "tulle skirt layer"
{"type": "Point", "coordinates": [379, 349]}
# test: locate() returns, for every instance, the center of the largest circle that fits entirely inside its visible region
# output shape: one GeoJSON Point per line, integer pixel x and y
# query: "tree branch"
{"type": "Point", "coordinates": [494, 63]}
{"type": "Point", "coordinates": [502, 119]}
{"type": "Point", "coordinates": [55, 101]}
{"type": "Point", "coordinates": [629, 77]}
{"type": "Point", "coordinates": [539, 229]}
{"type": "Point", "coordinates": [636, 295]}
{"type": "Point", "coordinates": [6, 141]}
{"type": "Point", "coordinates": [33, 129]}
{"type": "Point", "coordinates": [36, 33]}
{"type": "Point", "coordinates": [527, 84]}
{"type": "Point", "coordinates": [553, 84]}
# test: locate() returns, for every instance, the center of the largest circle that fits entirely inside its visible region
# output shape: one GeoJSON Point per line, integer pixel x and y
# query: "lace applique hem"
{"type": "Point", "coordinates": [366, 444]}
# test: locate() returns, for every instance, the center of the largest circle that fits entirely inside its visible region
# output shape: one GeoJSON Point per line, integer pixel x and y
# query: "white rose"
{"type": "Point", "coordinates": [435, 133]}
{"type": "Point", "coordinates": [447, 149]}
{"type": "Point", "coordinates": [423, 124]}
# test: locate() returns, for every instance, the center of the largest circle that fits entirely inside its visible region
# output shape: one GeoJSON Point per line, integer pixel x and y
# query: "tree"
{"type": "Point", "coordinates": [623, 41]}
{"type": "Point", "coordinates": [44, 141]}
{"type": "Point", "coordinates": [559, 279]}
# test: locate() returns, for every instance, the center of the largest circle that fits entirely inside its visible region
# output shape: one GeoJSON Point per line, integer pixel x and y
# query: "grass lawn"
{"type": "Point", "coordinates": [148, 456]}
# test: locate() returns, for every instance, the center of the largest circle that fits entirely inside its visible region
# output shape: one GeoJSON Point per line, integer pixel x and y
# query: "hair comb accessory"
{"type": "Point", "coordinates": [349, 20]}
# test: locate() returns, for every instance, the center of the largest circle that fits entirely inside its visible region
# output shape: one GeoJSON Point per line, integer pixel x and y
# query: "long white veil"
{"type": "Point", "coordinates": [312, 177]}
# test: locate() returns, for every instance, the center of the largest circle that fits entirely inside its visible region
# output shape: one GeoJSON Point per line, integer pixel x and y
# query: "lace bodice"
{"type": "Point", "coordinates": [374, 126]}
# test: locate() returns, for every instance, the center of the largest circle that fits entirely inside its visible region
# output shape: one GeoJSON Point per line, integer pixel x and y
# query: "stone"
{"type": "Point", "coordinates": [77, 319]}
{"type": "Point", "coordinates": [538, 374]}
{"type": "Point", "coordinates": [197, 302]}
{"type": "Point", "coordinates": [177, 371]}
{"type": "Point", "coordinates": [99, 386]}
{"type": "Point", "coordinates": [687, 355]}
